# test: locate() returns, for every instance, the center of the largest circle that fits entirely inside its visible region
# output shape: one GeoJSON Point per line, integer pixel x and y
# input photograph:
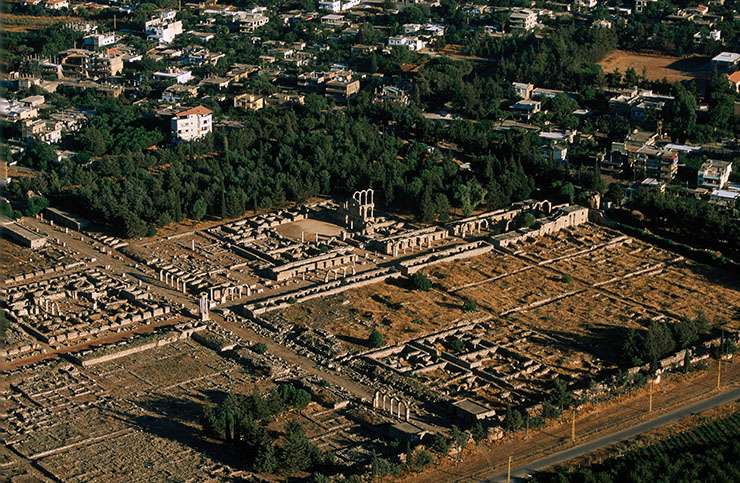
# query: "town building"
{"type": "Point", "coordinates": [174, 74]}
{"type": "Point", "coordinates": [89, 64]}
{"type": "Point", "coordinates": [391, 94]}
{"type": "Point", "coordinates": [342, 87]}
{"type": "Point", "coordinates": [252, 21]}
{"type": "Point", "coordinates": [333, 19]}
{"type": "Point", "coordinates": [192, 124]}
{"type": "Point", "coordinates": [714, 174]}
{"type": "Point", "coordinates": [163, 28]}
{"type": "Point", "coordinates": [411, 43]}
{"type": "Point", "coordinates": [249, 102]}
{"type": "Point", "coordinates": [523, 90]}
{"type": "Point", "coordinates": [726, 61]}
{"type": "Point", "coordinates": [41, 130]}
{"type": "Point", "coordinates": [56, 4]}
{"type": "Point", "coordinates": [734, 80]}
{"type": "Point", "coordinates": [177, 93]}
{"type": "Point", "coordinates": [522, 20]}
{"type": "Point", "coordinates": [21, 235]}
{"type": "Point", "coordinates": [525, 108]}
{"type": "Point", "coordinates": [96, 41]}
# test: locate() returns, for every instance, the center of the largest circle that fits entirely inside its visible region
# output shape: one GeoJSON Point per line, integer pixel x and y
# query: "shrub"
{"type": "Point", "coordinates": [260, 348]}
{"type": "Point", "coordinates": [421, 282]}
{"type": "Point", "coordinates": [456, 345]}
{"type": "Point", "coordinates": [422, 459]}
{"type": "Point", "coordinates": [440, 444]}
{"type": "Point", "coordinates": [469, 306]}
{"type": "Point", "coordinates": [375, 340]}
{"type": "Point", "coordinates": [566, 278]}
{"type": "Point", "coordinates": [478, 432]}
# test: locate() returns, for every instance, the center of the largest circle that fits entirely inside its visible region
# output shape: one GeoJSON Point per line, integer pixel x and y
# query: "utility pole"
{"type": "Point", "coordinates": [650, 406]}
{"type": "Point", "coordinates": [573, 427]}
{"type": "Point", "coordinates": [508, 473]}
{"type": "Point", "coordinates": [527, 426]}
{"type": "Point", "coordinates": [719, 370]}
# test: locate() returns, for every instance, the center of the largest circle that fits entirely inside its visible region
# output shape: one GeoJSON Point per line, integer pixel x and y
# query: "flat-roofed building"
{"type": "Point", "coordinates": [249, 102]}
{"type": "Point", "coordinates": [470, 411]}
{"type": "Point", "coordinates": [22, 235]}
{"type": "Point", "coordinates": [714, 174]}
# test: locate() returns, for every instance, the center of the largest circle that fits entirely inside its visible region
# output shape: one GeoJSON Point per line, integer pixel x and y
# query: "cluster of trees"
{"type": "Point", "coordinates": [19, 46]}
{"type": "Point", "coordinates": [713, 462]}
{"type": "Point", "coordinates": [557, 400]}
{"type": "Point", "coordinates": [241, 420]}
{"type": "Point", "coordinates": [691, 220]}
{"type": "Point", "coordinates": [564, 59]}
{"type": "Point", "coordinates": [280, 156]}
{"type": "Point", "coordinates": [662, 339]}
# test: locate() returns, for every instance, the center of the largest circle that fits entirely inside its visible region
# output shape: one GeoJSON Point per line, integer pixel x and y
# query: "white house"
{"type": "Point", "coordinates": [191, 124]}
{"type": "Point", "coordinates": [585, 4]}
{"type": "Point", "coordinates": [522, 19]}
{"type": "Point", "coordinates": [179, 76]}
{"type": "Point", "coordinates": [163, 27]}
{"type": "Point", "coordinates": [435, 29]}
{"type": "Point", "coordinates": [334, 6]}
{"type": "Point", "coordinates": [703, 37]}
{"type": "Point", "coordinates": [714, 174]}
{"type": "Point", "coordinates": [410, 28]}
{"type": "Point", "coordinates": [100, 40]}
{"type": "Point", "coordinates": [410, 43]}
{"type": "Point", "coordinates": [56, 4]}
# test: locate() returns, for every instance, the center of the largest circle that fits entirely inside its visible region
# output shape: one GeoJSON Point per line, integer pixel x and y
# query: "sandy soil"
{"type": "Point", "coordinates": [657, 66]}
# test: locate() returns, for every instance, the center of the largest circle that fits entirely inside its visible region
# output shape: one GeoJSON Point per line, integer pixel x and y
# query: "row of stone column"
{"type": "Point", "coordinates": [173, 281]}
{"type": "Point", "coordinates": [385, 402]}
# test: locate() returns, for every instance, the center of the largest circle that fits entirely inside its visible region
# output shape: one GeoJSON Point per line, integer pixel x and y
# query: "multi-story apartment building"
{"type": "Point", "coordinates": [191, 124]}
{"type": "Point", "coordinates": [252, 21]}
{"type": "Point", "coordinates": [714, 174]}
{"type": "Point", "coordinates": [90, 64]}
{"type": "Point", "coordinates": [522, 19]}
{"type": "Point", "coordinates": [163, 27]}
{"type": "Point", "coordinates": [644, 160]}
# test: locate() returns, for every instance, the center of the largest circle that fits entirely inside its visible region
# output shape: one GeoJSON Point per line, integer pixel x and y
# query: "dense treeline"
{"type": "Point", "coordinates": [281, 156]}
{"type": "Point", "coordinates": [565, 59]}
{"type": "Point", "coordinates": [662, 339]}
{"type": "Point", "coordinates": [715, 462]}
{"type": "Point", "coordinates": [241, 421]}
{"type": "Point", "coordinates": [695, 221]}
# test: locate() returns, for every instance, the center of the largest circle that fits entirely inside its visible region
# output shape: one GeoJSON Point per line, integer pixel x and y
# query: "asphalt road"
{"type": "Point", "coordinates": [520, 473]}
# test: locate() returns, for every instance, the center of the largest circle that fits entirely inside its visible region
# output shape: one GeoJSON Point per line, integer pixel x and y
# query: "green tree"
{"type": "Point", "coordinates": [440, 444]}
{"type": "Point", "coordinates": [260, 348]}
{"type": "Point", "coordinates": [559, 395]}
{"type": "Point", "coordinates": [375, 340]}
{"type": "Point", "coordinates": [93, 142]}
{"type": "Point", "coordinates": [199, 209]}
{"type": "Point", "coordinates": [478, 432]}
{"type": "Point", "coordinates": [513, 419]}
{"type": "Point", "coordinates": [460, 438]}
{"type": "Point", "coordinates": [421, 282]}
{"type": "Point", "coordinates": [265, 460]}
{"type": "Point", "coordinates": [469, 305]}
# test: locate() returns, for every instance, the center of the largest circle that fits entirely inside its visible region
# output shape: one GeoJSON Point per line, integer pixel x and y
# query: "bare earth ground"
{"type": "Point", "coordinates": [24, 23]}
{"type": "Point", "coordinates": [657, 66]}
{"type": "Point", "coordinates": [139, 413]}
